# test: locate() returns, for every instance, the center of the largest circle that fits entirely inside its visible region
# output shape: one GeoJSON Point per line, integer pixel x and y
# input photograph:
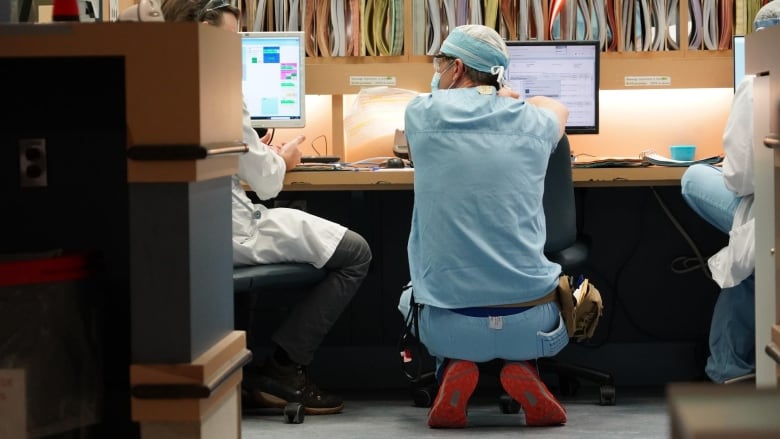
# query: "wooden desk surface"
{"type": "Point", "coordinates": [403, 179]}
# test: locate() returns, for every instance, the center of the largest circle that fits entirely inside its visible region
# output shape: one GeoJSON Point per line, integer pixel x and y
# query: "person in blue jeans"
{"type": "Point", "coordinates": [724, 198]}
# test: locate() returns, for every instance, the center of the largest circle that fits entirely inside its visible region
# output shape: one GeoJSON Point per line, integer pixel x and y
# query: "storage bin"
{"type": "Point", "coordinates": [49, 345]}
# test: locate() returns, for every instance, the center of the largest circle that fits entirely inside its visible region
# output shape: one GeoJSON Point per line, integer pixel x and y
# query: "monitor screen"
{"type": "Point", "coordinates": [565, 70]}
{"type": "Point", "coordinates": [273, 80]}
{"type": "Point", "coordinates": [739, 59]}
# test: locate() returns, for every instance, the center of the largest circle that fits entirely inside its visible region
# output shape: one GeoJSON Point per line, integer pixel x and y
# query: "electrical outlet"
{"type": "Point", "coordinates": [32, 163]}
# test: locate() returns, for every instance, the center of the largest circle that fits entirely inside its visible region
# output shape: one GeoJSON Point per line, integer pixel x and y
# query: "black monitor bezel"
{"type": "Point", "coordinates": [594, 129]}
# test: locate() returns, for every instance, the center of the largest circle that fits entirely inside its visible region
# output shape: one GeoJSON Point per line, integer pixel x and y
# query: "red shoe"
{"type": "Point", "coordinates": [457, 384]}
{"type": "Point", "coordinates": [521, 381]}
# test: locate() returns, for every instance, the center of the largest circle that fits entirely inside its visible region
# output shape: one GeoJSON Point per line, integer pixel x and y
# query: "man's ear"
{"type": "Point", "coordinates": [459, 71]}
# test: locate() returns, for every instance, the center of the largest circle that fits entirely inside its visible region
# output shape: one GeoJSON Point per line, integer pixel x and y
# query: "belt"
{"type": "Point", "coordinates": [506, 310]}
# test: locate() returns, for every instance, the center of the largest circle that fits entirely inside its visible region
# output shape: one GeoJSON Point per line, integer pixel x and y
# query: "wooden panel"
{"type": "Point", "coordinates": [177, 93]}
{"type": "Point", "coordinates": [181, 170]}
{"type": "Point", "coordinates": [185, 410]}
{"type": "Point", "coordinates": [332, 75]}
{"type": "Point", "coordinates": [700, 69]}
{"type": "Point", "coordinates": [223, 423]}
{"type": "Point", "coordinates": [199, 371]}
{"type": "Point", "coordinates": [403, 179]}
{"type": "Point", "coordinates": [209, 365]}
{"type": "Point", "coordinates": [712, 411]}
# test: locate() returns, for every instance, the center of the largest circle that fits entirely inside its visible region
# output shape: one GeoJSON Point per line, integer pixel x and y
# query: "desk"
{"type": "Point", "coordinates": [631, 236]}
{"type": "Point", "coordinates": [403, 179]}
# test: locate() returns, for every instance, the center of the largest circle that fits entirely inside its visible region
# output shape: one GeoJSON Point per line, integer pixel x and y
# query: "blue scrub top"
{"type": "Point", "coordinates": [478, 226]}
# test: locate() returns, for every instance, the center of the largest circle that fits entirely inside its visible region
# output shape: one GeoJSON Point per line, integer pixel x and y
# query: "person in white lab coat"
{"type": "Point", "coordinates": [724, 198]}
{"type": "Point", "coordinates": [266, 236]}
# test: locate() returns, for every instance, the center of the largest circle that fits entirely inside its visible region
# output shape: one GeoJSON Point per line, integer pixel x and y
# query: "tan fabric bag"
{"type": "Point", "coordinates": [581, 307]}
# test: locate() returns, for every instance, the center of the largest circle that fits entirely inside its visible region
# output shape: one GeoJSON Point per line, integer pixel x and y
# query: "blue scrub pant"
{"type": "Point", "coordinates": [733, 327]}
{"type": "Point", "coordinates": [536, 332]}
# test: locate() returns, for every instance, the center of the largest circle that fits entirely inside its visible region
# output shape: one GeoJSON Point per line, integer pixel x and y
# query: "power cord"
{"type": "Point", "coordinates": [325, 139]}
{"type": "Point", "coordinates": [684, 264]}
{"type": "Point", "coordinates": [617, 300]}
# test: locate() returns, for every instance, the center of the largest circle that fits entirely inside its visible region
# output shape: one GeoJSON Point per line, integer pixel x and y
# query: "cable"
{"type": "Point", "coordinates": [315, 148]}
{"type": "Point", "coordinates": [617, 301]}
{"type": "Point", "coordinates": [700, 261]}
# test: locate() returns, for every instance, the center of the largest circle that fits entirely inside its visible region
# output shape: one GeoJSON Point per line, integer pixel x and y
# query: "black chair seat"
{"type": "Point", "coordinates": [253, 278]}
{"type": "Point", "coordinates": [254, 285]}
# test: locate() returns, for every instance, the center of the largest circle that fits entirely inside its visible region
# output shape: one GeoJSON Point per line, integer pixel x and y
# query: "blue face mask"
{"type": "Point", "coordinates": [437, 77]}
{"type": "Point", "coordinates": [435, 81]}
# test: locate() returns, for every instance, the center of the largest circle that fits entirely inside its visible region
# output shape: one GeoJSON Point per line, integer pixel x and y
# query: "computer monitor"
{"type": "Point", "coordinates": [565, 70]}
{"type": "Point", "coordinates": [273, 78]}
{"type": "Point", "coordinates": [739, 59]}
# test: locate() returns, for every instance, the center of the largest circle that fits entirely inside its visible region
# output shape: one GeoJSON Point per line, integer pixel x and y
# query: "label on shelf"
{"type": "Point", "coordinates": [641, 81]}
{"type": "Point", "coordinates": [372, 80]}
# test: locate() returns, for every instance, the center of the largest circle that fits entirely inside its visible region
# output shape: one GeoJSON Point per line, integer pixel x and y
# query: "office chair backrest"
{"type": "Point", "coordinates": [559, 207]}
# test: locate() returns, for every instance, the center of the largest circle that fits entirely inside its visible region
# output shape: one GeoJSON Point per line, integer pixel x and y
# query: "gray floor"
{"type": "Point", "coordinates": [637, 414]}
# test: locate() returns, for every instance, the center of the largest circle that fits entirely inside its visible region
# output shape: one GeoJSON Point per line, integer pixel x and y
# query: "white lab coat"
{"type": "Point", "coordinates": [266, 236]}
{"type": "Point", "coordinates": [732, 264]}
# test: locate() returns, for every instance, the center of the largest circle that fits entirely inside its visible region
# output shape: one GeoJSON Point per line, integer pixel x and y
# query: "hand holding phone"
{"type": "Point", "coordinates": [291, 153]}
{"type": "Point", "coordinates": [297, 140]}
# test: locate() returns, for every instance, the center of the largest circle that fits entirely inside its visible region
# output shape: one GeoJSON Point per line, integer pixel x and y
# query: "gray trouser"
{"type": "Point", "coordinates": [311, 319]}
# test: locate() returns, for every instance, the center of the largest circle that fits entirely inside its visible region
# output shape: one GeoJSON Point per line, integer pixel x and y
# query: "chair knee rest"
{"type": "Point", "coordinates": [273, 276]}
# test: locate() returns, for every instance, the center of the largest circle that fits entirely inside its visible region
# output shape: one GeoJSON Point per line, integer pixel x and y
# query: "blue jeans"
{"type": "Point", "coordinates": [733, 326]}
{"type": "Point", "coordinates": [536, 332]}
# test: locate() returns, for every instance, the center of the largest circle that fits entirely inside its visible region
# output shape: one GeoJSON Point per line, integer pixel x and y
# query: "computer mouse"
{"type": "Point", "coordinates": [394, 162]}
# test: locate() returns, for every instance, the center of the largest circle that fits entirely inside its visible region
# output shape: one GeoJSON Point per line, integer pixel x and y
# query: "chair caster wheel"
{"type": "Point", "coordinates": [293, 413]}
{"type": "Point", "coordinates": [423, 396]}
{"type": "Point", "coordinates": [508, 405]}
{"type": "Point", "coordinates": [607, 394]}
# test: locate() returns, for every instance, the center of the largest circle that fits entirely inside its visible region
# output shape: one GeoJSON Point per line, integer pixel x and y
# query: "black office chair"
{"type": "Point", "coordinates": [565, 247]}
{"type": "Point", "coordinates": [568, 249]}
{"type": "Point", "coordinates": [251, 285]}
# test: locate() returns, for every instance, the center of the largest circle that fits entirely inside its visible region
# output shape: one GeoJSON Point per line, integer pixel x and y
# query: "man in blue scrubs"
{"type": "Point", "coordinates": [476, 248]}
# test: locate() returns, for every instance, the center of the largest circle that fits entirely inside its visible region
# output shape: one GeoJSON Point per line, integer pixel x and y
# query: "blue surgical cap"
{"type": "Point", "coordinates": [479, 47]}
{"type": "Point", "coordinates": [767, 16]}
